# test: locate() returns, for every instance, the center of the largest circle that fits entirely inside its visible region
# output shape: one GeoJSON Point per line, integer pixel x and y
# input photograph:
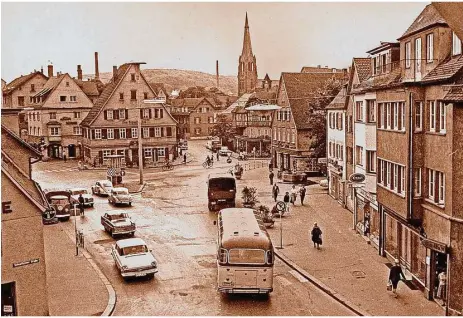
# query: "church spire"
{"type": "Point", "coordinates": [247, 48]}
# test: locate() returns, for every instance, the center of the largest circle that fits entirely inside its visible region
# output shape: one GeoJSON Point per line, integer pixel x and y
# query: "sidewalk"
{"type": "Point", "coordinates": [74, 287]}
{"type": "Point", "coordinates": [345, 263]}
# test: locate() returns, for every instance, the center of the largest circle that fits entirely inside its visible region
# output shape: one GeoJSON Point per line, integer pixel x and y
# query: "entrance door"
{"type": "Point", "coordinates": [72, 151]}
{"type": "Point", "coordinates": [418, 59]}
{"type": "Point", "coordinates": [9, 299]}
{"type": "Point", "coordinates": [439, 290]}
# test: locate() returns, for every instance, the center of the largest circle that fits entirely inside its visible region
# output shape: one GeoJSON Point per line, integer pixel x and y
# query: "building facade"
{"type": "Point", "coordinates": [111, 127]}
{"type": "Point", "coordinates": [19, 92]}
{"type": "Point", "coordinates": [247, 66]}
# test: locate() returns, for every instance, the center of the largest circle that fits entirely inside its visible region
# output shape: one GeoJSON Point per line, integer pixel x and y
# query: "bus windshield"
{"type": "Point", "coordinates": [222, 183]}
{"type": "Point", "coordinates": [246, 256]}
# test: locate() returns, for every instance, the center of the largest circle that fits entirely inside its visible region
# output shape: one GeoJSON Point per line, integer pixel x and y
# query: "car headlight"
{"type": "Point", "coordinates": [66, 210]}
{"type": "Point", "coordinates": [154, 264]}
{"type": "Point", "coordinates": [124, 268]}
{"type": "Point", "coordinates": [60, 208]}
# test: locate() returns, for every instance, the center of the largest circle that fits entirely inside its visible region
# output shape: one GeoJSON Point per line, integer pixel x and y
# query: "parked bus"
{"type": "Point", "coordinates": [245, 253]}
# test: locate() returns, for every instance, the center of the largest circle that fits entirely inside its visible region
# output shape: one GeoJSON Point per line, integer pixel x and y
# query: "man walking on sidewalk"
{"type": "Point", "coordinates": [184, 158]}
{"type": "Point", "coordinates": [302, 191]}
{"type": "Point", "coordinates": [270, 176]}
{"type": "Point", "coordinates": [394, 276]}
{"type": "Point", "coordinates": [275, 192]}
{"type": "Point", "coordinates": [286, 201]}
{"type": "Point", "coordinates": [316, 235]}
{"type": "Point", "coordinates": [218, 155]}
{"type": "Point", "coordinates": [293, 195]}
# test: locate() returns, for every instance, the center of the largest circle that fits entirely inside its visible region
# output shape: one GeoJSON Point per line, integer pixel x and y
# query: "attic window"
{"type": "Point", "coordinates": [121, 96]}
{"type": "Point", "coordinates": [62, 98]}
{"type": "Point", "coordinates": [145, 95]}
{"type": "Point", "coordinates": [132, 77]}
{"type": "Point", "coordinates": [67, 84]}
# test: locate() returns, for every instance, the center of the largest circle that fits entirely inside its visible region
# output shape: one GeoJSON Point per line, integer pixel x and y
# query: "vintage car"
{"type": "Point", "coordinates": [221, 191]}
{"type": "Point", "coordinates": [75, 192]}
{"type": "Point", "coordinates": [117, 223]}
{"type": "Point", "coordinates": [224, 151]}
{"type": "Point", "coordinates": [120, 196]}
{"type": "Point", "coordinates": [133, 258]}
{"type": "Point", "coordinates": [324, 183]}
{"type": "Point", "coordinates": [102, 187]}
{"type": "Point", "coordinates": [59, 201]}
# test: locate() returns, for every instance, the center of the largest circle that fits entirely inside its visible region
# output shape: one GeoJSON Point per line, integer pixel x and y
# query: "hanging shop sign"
{"type": "Point", "coordinates": [357, 177]}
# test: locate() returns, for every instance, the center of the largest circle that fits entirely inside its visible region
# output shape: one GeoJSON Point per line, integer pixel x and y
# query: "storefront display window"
{"type": "Point", "coordinates": [391, 236]}
{"type": "Point", "coordinates": [418, 267]}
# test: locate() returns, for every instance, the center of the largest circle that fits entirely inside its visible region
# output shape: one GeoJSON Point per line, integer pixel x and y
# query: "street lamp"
{"type": "Point", "coordinates": [75, 228]}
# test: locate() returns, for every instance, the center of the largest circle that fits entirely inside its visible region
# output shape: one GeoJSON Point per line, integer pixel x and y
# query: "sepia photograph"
{"type": "Point", "coordinates": [232, 159]}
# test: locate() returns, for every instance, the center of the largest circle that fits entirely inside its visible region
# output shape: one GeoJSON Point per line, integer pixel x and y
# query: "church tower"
{"type": "Point", "coordinates": [247, 68]}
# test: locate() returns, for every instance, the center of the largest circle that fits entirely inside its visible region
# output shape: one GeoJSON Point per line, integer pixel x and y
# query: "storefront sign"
{"type": "Point", "coordinates": [357, 177]}
{"type": "Point", "coordinates": [435, 246]}
{"type": "Point", "coordinates": [29, 262]}
{"type": "Point", "coordinates": [367, 195]}
{"type": "Point", "coordinates": [8, 308]}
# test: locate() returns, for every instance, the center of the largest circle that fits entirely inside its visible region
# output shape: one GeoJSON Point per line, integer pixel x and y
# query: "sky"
{"type": "Point", "coordinates": [285, 36]}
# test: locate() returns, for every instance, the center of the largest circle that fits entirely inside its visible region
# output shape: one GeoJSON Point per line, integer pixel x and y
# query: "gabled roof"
{"type": "Point", "coordinates": [50, 85]}
{"type": "Point", "coordinates": [383, 46]}
{"type": "Point", "coordinates": [455, 94]}
{"type": "Point", "coordinates": [240, 102]}
{"type": "Point", "coordinates": [90, 88]}
{"type": "Point", "coordinates": [445, 70]}
{"type": "Point", "coordinates": [339, 102]}
{"type": "Point", "coordinates": [320, 69]}
{"type": "Point", "coordinates": [106, 94]}
{"type": "Point", "coordinates": [427, 18]}
{"type": "Point", "coordinates": [157, 87]}
{"type": "Point", "coordinates": [6, 132]}
{"type": "Point", "coordinates": [20, 81]}
{"type": "Point", "coordinates": [363, 67]}
{"type": "Point", "coordinates": [391, 79]}
{"type": "Point", "coordinates": [452, 13]}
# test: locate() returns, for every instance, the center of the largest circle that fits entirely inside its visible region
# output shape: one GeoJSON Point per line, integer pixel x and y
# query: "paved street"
{"type": "Point", "coordinates": [172, 217]}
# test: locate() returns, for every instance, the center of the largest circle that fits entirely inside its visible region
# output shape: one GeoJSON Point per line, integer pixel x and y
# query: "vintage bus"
{"type": "Point", "coordinates": [245, 253]}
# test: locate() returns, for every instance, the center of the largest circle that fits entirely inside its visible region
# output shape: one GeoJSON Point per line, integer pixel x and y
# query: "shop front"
{"type": "Point", "coordinates": [366, 216]}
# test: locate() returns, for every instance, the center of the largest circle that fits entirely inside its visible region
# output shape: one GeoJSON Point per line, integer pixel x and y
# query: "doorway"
{"type": "Point", "coordinates": [71, 151]}
{"type": "Point", "coordinates": [440, 278]}
{"type": "Point", "coordinates": [9, 299]}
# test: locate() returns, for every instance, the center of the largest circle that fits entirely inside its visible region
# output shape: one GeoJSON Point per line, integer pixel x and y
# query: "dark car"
{"type": "Point", "coordinates": [60, 202]}
{"type": "Point", "coordinates": [221, 191]}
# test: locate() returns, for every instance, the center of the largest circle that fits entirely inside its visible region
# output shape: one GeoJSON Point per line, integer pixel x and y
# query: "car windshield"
{"type": "Point", "coordinates": [137, 249]}
{"type": "Point", "coordinates": [77, 192]}
{"type": "Point", "coordinates": [59, 201]}
{"type": "Point", "coordinates": [121, 192]}
{"type": "Point", "coordinates": [246, 256]}
{"type": "Point", "coordinates": [222, 183]}
{"type": "Point", "coordinates": [117, 217]}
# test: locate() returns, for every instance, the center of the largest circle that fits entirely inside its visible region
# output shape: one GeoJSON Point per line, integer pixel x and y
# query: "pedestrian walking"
{"type": "Point", "coordinates": [64, 157]}
{"type": "Point", "coordinates": [286, 201]}
{"type": "Point", "coordinates": [81, 204]}
{"type": "Point", "coordinates": [184, 158]}
{"type": "Point", "coordinates": [293, 194]}
{"type": "Point", "coordinates": [395, 274]}
{"type": "Point", "coordinates": [275, 192]}
{"type": "Point", "coordinates": [441, 289]}
{"type": "Point", "coordinates": [270, 176]}
{"type": "Point", "coordinates": [218, 155]}
{"type": "Point", "coordinates": [212, 159]}
{"type": "Point", "coordinates": [316, 236]}
{"type": "Point", "coordinates": [302, 192]}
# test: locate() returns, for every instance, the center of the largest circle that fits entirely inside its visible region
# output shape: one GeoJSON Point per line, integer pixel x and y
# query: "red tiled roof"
{"type": "Point", "coordinates": [105, 95]}
{"type": "Point", "coordinates": [427, 18]}
{"type": "Point", "coordinates": [316, 69]}
{"type": "Point", "coordinates": [157, 87]}
{"type": "Point", "coordinates": [445, 70]}
{"type": "Point", "coordinates": [90, 88]}
{"type": "Point", "coordinates": [20, 81]}
{"type": "Point", "coordinates": [452, 13]}
{"type": "Point", "coordinates": [363, 67]}
{"type": "Point", "coordinates": [455, 94]}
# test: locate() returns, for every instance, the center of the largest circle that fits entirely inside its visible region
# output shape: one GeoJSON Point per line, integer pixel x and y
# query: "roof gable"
{"type": "Point", "coordinates": [362, 67]}
{"type": "Point", "coordinates": [65, 85]}
{"type": "Point", "coordinates": [427, 18]}
{"type": "Point", "coordinates": [20, 81]}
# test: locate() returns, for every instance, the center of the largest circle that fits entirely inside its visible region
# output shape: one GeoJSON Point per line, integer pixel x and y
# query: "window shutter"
{"type": "Point", "coordinates": [169, 131]}
{"type": "Point", "coordinates": [155, 154]}
{"type": "Point", "coordinates": [151, 115]}
{"type": "Point", "coordinates": [116, 114]}
{"type": "Point", "coordinates": [93, 133]}
{"type": "Point", "coordinates": [161, 113]}
{"type": "Point", "coordinates": [116, 133]}
{"type": "Point", "coordinates": [141, 113]}
{"type": "Point", "coordinates": [105, 114]}
{"type": "Point", "coordinates": [151, 132]}
{"type": "Point", "coordinates": [126, 114]}
{"type": "Point", "coordinates": [166, 152]}
{"type": "Point", "coordinates": [156, 113]}
{"type": "Point", "coordinates": [129, 132]}
{"type": "Point", "coordinates": [100, 155]}
{"type": "Point", "coordinates": [162, 131]}
{"type": "Point", "coordinates": [103, 133]}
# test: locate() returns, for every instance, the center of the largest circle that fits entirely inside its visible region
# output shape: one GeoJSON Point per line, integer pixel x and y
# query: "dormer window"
{"type": "Point", "coordinates": [408, 53]}
{"type": "Point", "coordinates": [430, 48]}
{"type": "Point", "coordinates": [132, 77]}
{"type": "Point", "coordinates": [456, 44]}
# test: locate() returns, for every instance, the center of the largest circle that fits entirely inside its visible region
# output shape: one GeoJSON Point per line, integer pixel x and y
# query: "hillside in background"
{"type": "Point", "coordinates": [182, 79]}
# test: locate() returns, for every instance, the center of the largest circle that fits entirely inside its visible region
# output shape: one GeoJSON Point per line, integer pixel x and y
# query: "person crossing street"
{"type": "Point", "coordinates": [270, 176]}
{"type": "Point", "coordinates": [395, 274]}
{"type": "Point", "coordinates": [293, 195]}
{"type": "Point", "coordinates": [275, 192]}
{"type": "Point", "coordinates": [302, 191]}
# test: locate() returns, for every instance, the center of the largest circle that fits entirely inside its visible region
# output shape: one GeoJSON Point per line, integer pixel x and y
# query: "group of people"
{"type": "Point", "coordinates": [290, 197]}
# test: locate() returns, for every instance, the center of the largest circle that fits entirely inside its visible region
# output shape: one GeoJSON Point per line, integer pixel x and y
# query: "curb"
{"type": "Point", "coordinates": [140, 189]}
{"type": "Point", "coordinates": [112, 298]}
{"type": "Point", "coordinates": [344, 301]}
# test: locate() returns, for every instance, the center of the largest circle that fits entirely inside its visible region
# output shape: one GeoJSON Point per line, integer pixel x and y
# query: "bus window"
{"type": "Point", "coordinates": [222, 256]}
{"type": "Point", "coordinates": [269, 257]}
{"type": "Point", "coordinates": [246, 256]}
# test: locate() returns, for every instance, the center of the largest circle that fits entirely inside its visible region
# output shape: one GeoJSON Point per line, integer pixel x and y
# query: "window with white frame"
{"type": "Point", "coordinates": [392, 176]}
{"type": "Point", "coordinates": [54, 131]}
{"type": "Point", "coordinates": [389, 174]}
{"type": "Point", "coordinates": [441, 187]}
{"type": "Point", "coordinates": [77, 130]}
{"type": "Point", "coordinates": [408, 53]}
{"type": "Point", "coordinates": [148, 152]}
{"type": "Point", "coordinates": [359, 155]}
{"type": "Point", "coordinates": [402, 180]}
{"type": "Point", "coordinates": [418, 116]}
{"type": "Point", "coordinates": [109, 114]}
{"type": "Point", "coordinates": [53, 115]}
{"type": "Point", "coordinates": [122, 133]}
{"type": "Point", "coordinates": [110, 133]}
{"type": "Point", "coordinates": [381, 170]}
{"type": "Point", "coordinates": [98, 133]}
{"type": "Point", "coordinates": [456, 44]}
{"type": "Point", "coordinates": [395, 185]}
{"type": "Point", "coordinates": [77, 115]}
{"type": "Point", "coordinates": [106, 154]}
{"type": "Point", "coordinates": [146, 132]}
{"type": "Point", "coordinates": [429, 47]}
{"type": "Point", "coordinates": [197, 120]}
{"type": "Point", "coordinates": [371, 161]}
{"type": "Point", "coordinates": [359, 111]}
{"type": "Point", "coordinates": [388, 116]}
{"type": "Point", "coordinates": [146, 113]}
{"type": "Point", "coordinates": [134, 132]}
{"type": "Point", "coordinates": [432, 116]}
{"type": "Point", "coordinates": [402, 115]}
{"type": "Point", "coordinates": [73, 98]}
{"type": "Point", "coordinates": [417, 184]}
{"type": "Point", "coordinates": [371, 111]}
{"type": "Point", "coordinates": [157, 131]}
{"type": "Point", "coordinates": [121, 113]}
{"type": "Point", "coordinates": [442, 118]}
{"type": "Point", "coordinates": [162, 152]}
{"type": "Point", "coordinates": [396, 116]}
{"type": "Point", "coordinates": [431, 184]}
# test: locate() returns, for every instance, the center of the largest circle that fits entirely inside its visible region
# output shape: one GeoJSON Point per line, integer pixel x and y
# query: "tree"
{"type": "Point", "coordinates": [224, 129]}
{"type": "Point", "coordinates": [317, 115]}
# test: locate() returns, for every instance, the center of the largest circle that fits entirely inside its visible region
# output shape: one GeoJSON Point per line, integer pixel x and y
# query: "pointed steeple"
{"type": "Point", "coordinates": [247, 48]}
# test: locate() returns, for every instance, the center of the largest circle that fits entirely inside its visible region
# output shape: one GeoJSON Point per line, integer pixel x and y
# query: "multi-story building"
{"type": "Point", "coordinates": [292, 139]}
{"type": "Point", "coordinates": [55, 115]}
{"type": "Point", "coordinates": [24, 285]}
{"type": "Point", "coordinates": [111, 127]}
{"type": "Point", "coordinates": [419, 142]}
{"type": "Point", "coordinates": [19, 92]}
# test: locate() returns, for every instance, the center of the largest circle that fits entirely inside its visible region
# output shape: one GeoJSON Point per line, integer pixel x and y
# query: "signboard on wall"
{"type": "Point", "coordinates": [357, 177]}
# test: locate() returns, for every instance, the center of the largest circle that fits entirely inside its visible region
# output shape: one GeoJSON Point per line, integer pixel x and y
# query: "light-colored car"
{"type": "Point", "coordinates": [224, 151]}
{"type": "Point", "coordinates": [133, 258]}
{"type": "Point", "coordinates": [118, 223]}
{"type": "Point", "coordinates": [120, 196]}
{"type": "Point", "coordinates": [102, 187]}
{"type": "Point", "coordinates": [324, 183]}
{"type": "Point", "coordinates": [75, 192]}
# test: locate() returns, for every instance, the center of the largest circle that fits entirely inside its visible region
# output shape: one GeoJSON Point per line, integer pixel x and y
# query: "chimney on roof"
{"type": "Point", "coordinates": [114, 72]}
{"type": "Point", "coordinates": [79, 72]}
{"type": "Point", "coordinates": [326, 66]}
{"type": "Point", "coordinates": [97, 72]}
{"type": "Point", "coordinates": [217, 72]}
{"type": "Point", "coordinates": [50, 70]}
{"type": "Point", "coordinates": [319, 66]}
{"type": "Point", "coordinates": [41, 69]}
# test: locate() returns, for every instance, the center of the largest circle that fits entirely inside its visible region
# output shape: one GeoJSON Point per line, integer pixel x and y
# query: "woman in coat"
{"type": "Point", "coordinates": [316, 235]}
{"type": "Point", "coordinates": [395, 274]}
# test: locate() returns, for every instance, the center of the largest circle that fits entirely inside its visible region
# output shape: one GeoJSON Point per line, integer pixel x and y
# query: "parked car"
{"type": "Point", "coordinates": [59, 201]}
{"type": "Point", "coordinates": [118, 223]}
{"type": "Point", "coordinates": [120, 196]}
{"type": "Point", "coordinates": [133, 258]}
{"type": "Point", "coordinates": [74, 199]}
{"type": "Point", "coordinates": [224, 151]}
{"type": "Point", "coordinates": [183, 144]}
{"type": "Point", "coordinates": [102, 187]}
{"type": "Point", "coordinates": [324, 183]}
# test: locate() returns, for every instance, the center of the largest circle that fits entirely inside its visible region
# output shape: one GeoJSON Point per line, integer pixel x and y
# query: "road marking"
{"type": "Point", "coordinates": [283, 281]}
{"type": "Point", "coordinates": [298, 276]}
